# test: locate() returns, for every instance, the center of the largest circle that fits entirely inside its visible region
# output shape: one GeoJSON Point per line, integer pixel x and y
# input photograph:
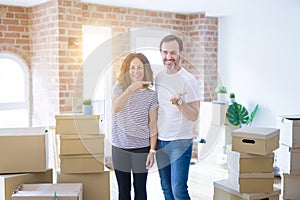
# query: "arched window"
{"type": "Point", "coordinates": [14, 92]}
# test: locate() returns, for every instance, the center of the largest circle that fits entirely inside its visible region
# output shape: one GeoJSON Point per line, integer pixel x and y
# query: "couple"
{"type": "Point", "coordinates": [147, 122]}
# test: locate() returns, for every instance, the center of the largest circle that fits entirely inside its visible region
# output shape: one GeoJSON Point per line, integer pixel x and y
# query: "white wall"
{"type": "Point", "coordinates": [259, 59]}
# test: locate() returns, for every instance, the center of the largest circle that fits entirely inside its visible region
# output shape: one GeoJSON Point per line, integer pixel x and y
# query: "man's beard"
{"type": "Point", "coordinates": [172, 67]}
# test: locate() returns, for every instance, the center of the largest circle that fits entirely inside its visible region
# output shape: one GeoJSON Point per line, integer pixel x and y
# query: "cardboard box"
{"type": "Point", "coordinates": [82, 163]}
{"type": "Point", "coordinates": [81, 144]}
{"type": "Point", "coordinates": [63, 191]}
{"type": "Point", "coordinates": [23, 150]}
{"type": "Point", "coordinates": [10, 182]}
{"type": "Point", "coordinates": [255, 140]}
{"type": "Point", "coordinates": [288, 159]}
{"type": "Point", "coordinates": [251, 182]}
{"type": "Point", "coordinates": [290, 130]}
{"type": "Point", "coordinates": [224, 191]}
{"type": "Point", "coordinates": [77, 124]}
{"type": "Point", "coordinates": [95, 186]}
{"type": "Point", "coordinates": [250, 163]}
{"type": "Point", "coordinates": [290, 186]}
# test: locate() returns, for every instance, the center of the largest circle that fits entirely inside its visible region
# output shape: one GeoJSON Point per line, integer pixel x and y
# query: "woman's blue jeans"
{"type": "Point", "coordinates": [173, 161]}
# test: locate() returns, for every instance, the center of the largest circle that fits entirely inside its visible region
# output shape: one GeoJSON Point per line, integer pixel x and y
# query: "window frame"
{"type": "Point", "coordinates": [26, 103]}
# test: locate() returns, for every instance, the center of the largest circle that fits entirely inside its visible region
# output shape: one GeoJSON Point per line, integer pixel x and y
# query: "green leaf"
{"type": "Point", "coordinates": [221, 89]}
{"type": "Point", "coordinates": [87, 101]}
{"type": "Point", "coordinates": [237, 114]}
{"type": "Point", "coordinates": [55, 197]}
{"type": "Point", "coordinates": [252, 115]}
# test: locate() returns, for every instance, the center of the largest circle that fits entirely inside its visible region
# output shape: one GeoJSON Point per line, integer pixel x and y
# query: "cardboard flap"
{"type": "Point", "coordinates": [48, 190]}
{"type": "Point", "coordinates": [291, 117]}
{"type": "Point", "coordinates": [23, 131]}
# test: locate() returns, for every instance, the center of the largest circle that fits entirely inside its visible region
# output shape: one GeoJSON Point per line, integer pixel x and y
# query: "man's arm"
{"type": "Point", "coordinates": [189, 110]}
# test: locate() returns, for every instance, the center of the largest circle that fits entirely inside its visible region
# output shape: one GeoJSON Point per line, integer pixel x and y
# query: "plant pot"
{"type": "Point", "coordinates": [221, 96]}
{"type": "Point", "coordinates": [87, 109]}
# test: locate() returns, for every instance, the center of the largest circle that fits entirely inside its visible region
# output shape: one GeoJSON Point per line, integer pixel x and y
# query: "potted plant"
{"type": "Point", "coordinates": [232, 97]}
{"type": "Point", "coordinates": [87, 106]}
{"type": "Point", "coordinates": [221, 92]}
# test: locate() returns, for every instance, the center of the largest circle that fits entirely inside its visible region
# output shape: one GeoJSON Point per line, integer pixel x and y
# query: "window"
{"type": "Point", "coordinates": [147, 41]}
{"type": "Point", "coordinates": [14, 89]}
{"type": "Point", "coordinates": [96, 74]}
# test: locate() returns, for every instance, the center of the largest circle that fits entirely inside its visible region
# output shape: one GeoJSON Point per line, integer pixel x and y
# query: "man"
{"type": "Point", "coordinates": [179, 103]}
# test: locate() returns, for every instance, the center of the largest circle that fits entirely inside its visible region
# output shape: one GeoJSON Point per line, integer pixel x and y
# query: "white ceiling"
{"type": "Point", "coordinates": [181, 6]}
{"type": "Point", "coordinates": [25, 3]}
{"type": "Point", "coordinates": [211, 7]}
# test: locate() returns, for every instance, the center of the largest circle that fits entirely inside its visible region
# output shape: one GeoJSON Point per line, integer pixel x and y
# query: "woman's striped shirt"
{"type": "Point", "coordinates": [130, 127]}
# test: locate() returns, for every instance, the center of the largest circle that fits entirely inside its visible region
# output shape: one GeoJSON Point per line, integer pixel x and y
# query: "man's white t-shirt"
{"type": "Point", "coordinates": [172, 125]}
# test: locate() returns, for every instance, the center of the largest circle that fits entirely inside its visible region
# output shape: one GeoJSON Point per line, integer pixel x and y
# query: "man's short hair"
{"type": "Point", "coordinates": [170, 38]}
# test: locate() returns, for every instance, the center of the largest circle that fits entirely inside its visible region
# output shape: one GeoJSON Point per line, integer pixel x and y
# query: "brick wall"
{"type": "Point", "coordinates": [202, 51]}
{"type": "Point", "coordinates": [14, 34]}
{"type": "Point", "coordinates": [70, 55]}
{"type": "Point", "coordinates": [40, 35]}
{"type": "Point", "coordinates": [200, 33]}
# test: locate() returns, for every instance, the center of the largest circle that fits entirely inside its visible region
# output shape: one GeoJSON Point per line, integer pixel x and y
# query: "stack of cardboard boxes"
{"type": "Point", "coordinates": [250, 165]}
{"type": "Point", "coordinates": [289, 156]}
{"type": "Point", "coordinates": [23, 159]}
{"type": "Point", "coordinates": [81, 154]}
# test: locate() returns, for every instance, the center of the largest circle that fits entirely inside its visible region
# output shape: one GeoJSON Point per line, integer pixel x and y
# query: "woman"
{"type": "Point", "coordinates": [134, 130]}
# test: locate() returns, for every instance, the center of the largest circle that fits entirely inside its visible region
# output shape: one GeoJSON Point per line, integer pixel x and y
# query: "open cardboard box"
{"type": "Point", "coordinates": [63, 191]}
{"type": "Point", "coordinates": [9, 182]}
{"type": "Point", "coordinates": [23, 150]}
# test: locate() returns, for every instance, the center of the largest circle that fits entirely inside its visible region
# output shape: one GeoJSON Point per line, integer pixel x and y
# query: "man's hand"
{"type": "Point", "coordinates": [177, 98]}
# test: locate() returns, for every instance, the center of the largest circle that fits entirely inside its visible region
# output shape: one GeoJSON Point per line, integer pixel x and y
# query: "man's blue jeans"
{"type": "Point", "coordinates": [173, 161]}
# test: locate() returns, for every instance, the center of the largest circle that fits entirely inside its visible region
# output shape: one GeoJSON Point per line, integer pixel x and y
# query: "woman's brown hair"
{"type": "Point", "coordinates": [124, 78]}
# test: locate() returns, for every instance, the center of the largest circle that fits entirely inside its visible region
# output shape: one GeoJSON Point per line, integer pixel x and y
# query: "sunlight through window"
{"type": "Point", "coordinates": [14, 88]}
